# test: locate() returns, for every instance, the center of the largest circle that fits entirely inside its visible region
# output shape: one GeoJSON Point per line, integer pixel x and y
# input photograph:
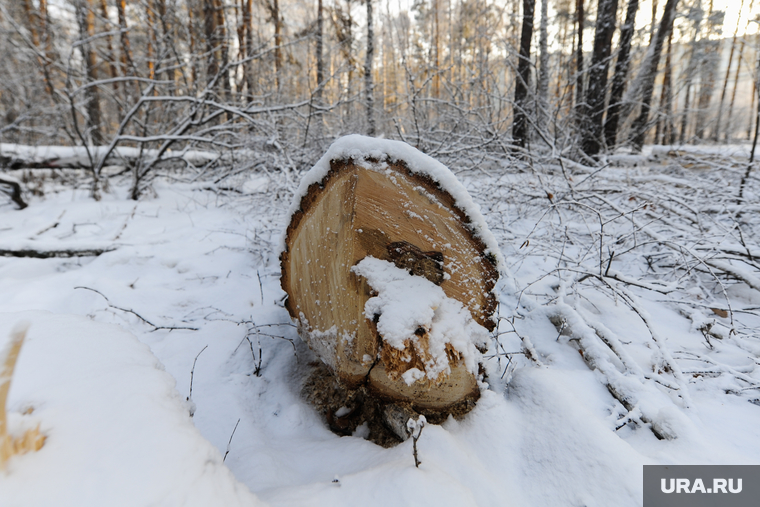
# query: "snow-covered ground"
{"type": "Point", "coordinates": [629, 335]}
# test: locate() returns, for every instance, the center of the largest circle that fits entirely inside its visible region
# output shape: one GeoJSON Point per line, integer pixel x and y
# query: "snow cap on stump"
{"type": "Point", "coordinates": [390, 273]}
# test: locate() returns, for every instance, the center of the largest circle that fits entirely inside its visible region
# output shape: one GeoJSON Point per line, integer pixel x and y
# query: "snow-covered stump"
{"type": "Point", "coordinates": [389, 271]}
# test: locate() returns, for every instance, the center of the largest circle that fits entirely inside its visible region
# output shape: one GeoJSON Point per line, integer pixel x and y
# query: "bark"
{"type": "Point", "coordinates": [29, 14]}
{"type": "Point", "coordinates": [543, 76]}
{"type": "Point", "coordinates": [317, 98]}
{"type": "Point", "coordinates": [192, 41]}
{"type": "Point", "coordinates": [708, 74]}
{"type": "Point", "coordinates": [36, 21]}
{"type": "Point", "coordinates": [167, 45]}
{"type": "Point", "coordinates": [733, 93]}
{"type": "Point", "coordinates": [597, 79]}
{"type": "Point", "coordinates": [86, 21]}
{"type": "Point", "coordinates": [621, 74]}
{"type": "Point", "coordinates": [245, 40]}
{"type": "Point", "coordinates": [212, 42]}
{"type": "Point", "coordinates": [274, 12]}
{"type": "Point", "coordinates": [665, 122]}
{"type": "Point", "coordinates": [716, 134]}
{"type": "Point", "coordinates": [109, 46]}
{"type": "Point", "coordinates": [690, 69]}
{"type": "Point", "coordinates": [522, 84]}
{"type": "Point", "coordinates": [151, 41]}
{"type": "Point", "coordinates": [369, 100]}
{"type": "Point", "coordinates": [640, 125]}
{"type": "Point", "coordinates": [579, 95]}
{"type": "Point", "coordinates": [752, 108]}
{"type": "Point", "coordinates": [709, 61]}
{"type": "Point", "coordinates": [224, 56]}
{"type": "Point", "coordinates": [437, 49]}
{"type": "Point", "coordinates": [126, 51]}
{"type": "Point", "coordinates": [320, 55]}
{"type": "Point", "coordinates": [247, 19]}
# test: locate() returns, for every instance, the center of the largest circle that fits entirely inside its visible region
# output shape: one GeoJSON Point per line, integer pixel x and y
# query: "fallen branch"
{"type": "Point", "coordinates": [49, 254]}
{"type": "Point", "coordinates": [128, 310]}
{"type": "Point", "coordinates": [15, 191]}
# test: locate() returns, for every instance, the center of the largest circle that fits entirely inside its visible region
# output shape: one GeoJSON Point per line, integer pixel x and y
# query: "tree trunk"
{"type": "Point", "coordinates": [710, 59]}
{"type": "Point", "coordinates": [729, 124]}
{"type": "Point", "coordinates": [190, 6]}
{"type": "Point", "coordinates": [579, 95]}
{"type": "Point", "coordinates": [109, 47]}
{"type": "Point", "coordinates": [247, 17]}
{"type": "Point", "coordinates": [522, 84]}
{"type": "Point", "coordinates": [212, 40]}
{"type": "Point", "coordinates": [597, 80]}
{"type": "Point", "coordinates": [716, 133]}
{"type": "Point", "coordinates": [640, 125]}
{"type": "Point", "coordinates": [274, 11]}
{"type": "Point", "coordinates": [320, 54]}
{"type": "Point", "coordinates": [36, 21]}
{"type": "Point", "coordinates": [126, 51]}
{"type": "Point", "coordinates": [621, 74]}
{"type": "Point", "coordinates": [150, 53]}
{"type": "Point", "coordinates": [708, 74]}
{"type": "Point", "coordinates": [369, 99]}
{"type": "Point", "coordinates": [665, 121]}
{"type": "Point", "coordinates": [695, 12]}
{"type": "Point", "coordinates": [224, 53]}
{"type": "Point", "coordinates": [86, 21]}
{"type": "Point", "coordinates": [542, 106]}
{"type": "Point", "coordinates": [318, 92]}
{"type": "Point", "coordinates": [437, 51]}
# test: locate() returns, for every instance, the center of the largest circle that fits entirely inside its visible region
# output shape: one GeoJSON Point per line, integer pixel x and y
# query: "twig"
{"type": "Point", "coordinates": [261, 287]}
{"type": "Point", "coordinates": [414, 429]}
{"type": "Point", "coordinates": [192, 373]}
{"type": "Point", "coordinates": [230, 442]}
{"type": "Point", "coordinates": [127, 310]}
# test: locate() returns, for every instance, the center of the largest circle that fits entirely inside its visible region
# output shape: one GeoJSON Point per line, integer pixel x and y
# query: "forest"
{"type": "Point", "coordinates": [578, 78]}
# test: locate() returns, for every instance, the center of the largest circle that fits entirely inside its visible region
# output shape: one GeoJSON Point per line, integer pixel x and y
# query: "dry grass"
{"type": "Point", "coordinates": [32, 440]}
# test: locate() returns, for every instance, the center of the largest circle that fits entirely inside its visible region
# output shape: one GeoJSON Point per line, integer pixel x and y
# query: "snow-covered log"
{"type": "Point", "coordinates": [18, 156]}
{"type": "Point", "coordinates": [389, 270]}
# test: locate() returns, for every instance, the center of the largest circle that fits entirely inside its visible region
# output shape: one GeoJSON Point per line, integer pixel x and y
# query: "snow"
{"type": "Point", "coordinates": [118, 432]}
{"type": "Point", "coordinates": [546, 431]}
{"type": "Point", "coordinates": [406, 303]}
{"type": "Point", "coordinates": [363, 149]}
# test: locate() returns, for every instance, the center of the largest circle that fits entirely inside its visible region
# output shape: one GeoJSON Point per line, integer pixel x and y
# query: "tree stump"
{"type": "Point", "coordinates": [415, 227]}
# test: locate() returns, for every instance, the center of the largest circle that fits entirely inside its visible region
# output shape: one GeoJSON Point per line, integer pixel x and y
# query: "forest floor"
{"type": "Point", "coordinates": [629, 334]}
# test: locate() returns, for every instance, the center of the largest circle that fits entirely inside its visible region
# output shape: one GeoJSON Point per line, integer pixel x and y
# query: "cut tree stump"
{"type": "Point", "coordinates": [385, 202]}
